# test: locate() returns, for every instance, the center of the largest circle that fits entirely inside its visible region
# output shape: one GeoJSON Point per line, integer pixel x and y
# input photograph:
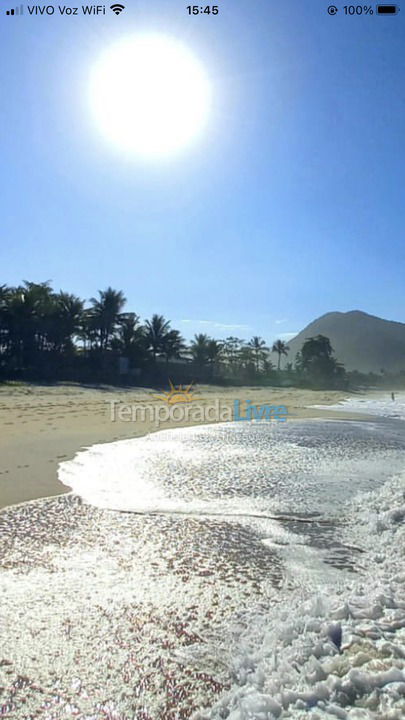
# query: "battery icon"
{"type": "Point", "coordinates": [387, 9]}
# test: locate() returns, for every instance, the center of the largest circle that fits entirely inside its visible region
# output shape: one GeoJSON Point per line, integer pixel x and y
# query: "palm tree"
{"type": "Point", "coordinates": [4, 299]}
{"type": "Point", "coordinates": [281, 348]}
{"type": "Point", "coordinates": [156, 330]}
{"type": "Point", "coordinates": [130, 331]}
{"type": "Point", "coordinates": [66, 319]}
{"type": "Point", "coordinates": [232, 349]}
{"type": "Point", "coordinates": [199, 349]}
{"type": "Point", "coordinates": [172, 345]}
{"type": "Point", "coordinates": [130, 340]}
{"type": "Point", "coordinates": [214, 353]}
{"type": "Point", "coordinates": [88, 332]}
{"type": "Point", "coordinates": [27, 316]}
{"type": "Point", "coordinates": [259, 350]}
{"type": "Point", "coordinates": [105, 314]}
{"type": "Point", "coordinates": [247, 359]}
{"type": "Point", "coordinates": [4, 296]}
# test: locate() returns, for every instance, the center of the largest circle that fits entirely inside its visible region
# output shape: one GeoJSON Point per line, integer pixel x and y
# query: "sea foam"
{"type": "Point", "coordinates": [332, 647]}
{"type": "Point", "coordinates": [339, 652]}
{"type": "Point", "coordinates": [242, 469]}
{"type": "Point", "coordinates": [380, 404]}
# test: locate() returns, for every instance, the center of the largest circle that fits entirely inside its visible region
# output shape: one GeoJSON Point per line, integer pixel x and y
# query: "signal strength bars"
{"type": "Point", "coordinates": [16, 11]}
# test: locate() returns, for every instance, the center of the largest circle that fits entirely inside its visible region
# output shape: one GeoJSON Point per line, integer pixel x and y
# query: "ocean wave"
{"type": "Point", "coordinates": [340, 652]}
{"type": "Point", "coordinates": [234, 469]}
{"type": "Point", "coordinates": [381, 405]}
{"type": "Point", "coordinates": [332, 644]}
{"type": "Point", "coordinates": [255, 604]}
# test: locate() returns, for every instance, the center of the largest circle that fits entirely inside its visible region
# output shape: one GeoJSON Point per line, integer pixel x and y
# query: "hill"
{"type": "Point", "coordinates": [362, 342]}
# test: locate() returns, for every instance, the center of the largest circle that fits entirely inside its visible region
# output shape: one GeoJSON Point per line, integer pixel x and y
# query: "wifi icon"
{"type": "Point", "coordinates": [117, 8]}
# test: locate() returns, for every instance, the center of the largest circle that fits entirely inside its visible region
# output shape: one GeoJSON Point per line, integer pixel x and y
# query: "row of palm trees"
{"type": "Point", "coordinates": [38, 324]}
{"type": "Point", "coordinates": [236, 353]}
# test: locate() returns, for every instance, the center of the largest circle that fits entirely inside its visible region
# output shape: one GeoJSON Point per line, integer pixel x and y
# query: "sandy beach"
{"type": "Point", "coordinates": [176, 614]}
{"type": "Point", "coordinates": [45, 425]}
{"type": "Point", "coordinates": [206, 572]}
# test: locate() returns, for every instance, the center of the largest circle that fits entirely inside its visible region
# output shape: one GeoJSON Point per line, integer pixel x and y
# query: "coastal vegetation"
{"type": "Point", "coordinates": [47, 335]}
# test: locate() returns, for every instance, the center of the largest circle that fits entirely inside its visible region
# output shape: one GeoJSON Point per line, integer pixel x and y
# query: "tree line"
{"type": "Point", "coordinates": [48, 335]}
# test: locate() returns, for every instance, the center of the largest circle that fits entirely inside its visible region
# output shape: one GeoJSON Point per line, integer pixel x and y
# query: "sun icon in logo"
{"type": "Point", "coordinates": [177, 394]}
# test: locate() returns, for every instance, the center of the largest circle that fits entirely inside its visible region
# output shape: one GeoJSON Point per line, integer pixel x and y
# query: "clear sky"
{"type": "Point", "coordinates": [289, 205]}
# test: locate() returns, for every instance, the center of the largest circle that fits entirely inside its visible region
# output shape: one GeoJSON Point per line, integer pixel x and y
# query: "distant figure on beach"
{"type": "Point", "coordinates": [392, 396]}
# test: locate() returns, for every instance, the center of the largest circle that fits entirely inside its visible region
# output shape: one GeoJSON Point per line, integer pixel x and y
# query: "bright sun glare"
{"type": "Point", "coordinates": [149, 95]}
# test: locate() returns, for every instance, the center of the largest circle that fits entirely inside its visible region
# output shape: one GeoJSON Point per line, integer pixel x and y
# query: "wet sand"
{"type": "Point", "coordinates": [112, 616]}
{"type": "Point", "coordinates": [121, 616]}
{"type": "Point", "coordinates": [43, 425]}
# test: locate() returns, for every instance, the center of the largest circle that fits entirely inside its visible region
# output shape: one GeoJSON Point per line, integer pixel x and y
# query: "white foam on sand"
{"type": "Point", "coordinates": [334, 647]}
{"type": "Point", "coordinates": [340, 652]}
{"type": "Point", "coordinates": [234, 469]}
{"type": "Point", "coordinates": [96, 474]}
{"type": "Point", "coordinates": [381, 405]}
{"type": "Point", "coordinates": [128, 475]}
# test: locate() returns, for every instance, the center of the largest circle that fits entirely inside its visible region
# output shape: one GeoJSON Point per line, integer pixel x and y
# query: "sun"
{"type": "Point", "coordinates": [177, 394]}
{"type": "Point", "coordinates": [149, 95]}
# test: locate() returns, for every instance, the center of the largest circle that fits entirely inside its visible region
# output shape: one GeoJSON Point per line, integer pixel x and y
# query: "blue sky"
{"type": "Point", "coordinates": [290, 204]}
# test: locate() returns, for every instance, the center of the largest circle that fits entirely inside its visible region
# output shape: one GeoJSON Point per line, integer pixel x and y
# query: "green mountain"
{"type": "Point", "coordinates": [362, 342]}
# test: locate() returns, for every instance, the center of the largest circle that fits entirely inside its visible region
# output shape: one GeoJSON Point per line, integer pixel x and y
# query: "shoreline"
{"type": "Point", "coordinates": [45, 425]}
{"type": "Point", "coordinates": [210, 649]}
{"type": "Point", "coordinates": [347, 641]}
